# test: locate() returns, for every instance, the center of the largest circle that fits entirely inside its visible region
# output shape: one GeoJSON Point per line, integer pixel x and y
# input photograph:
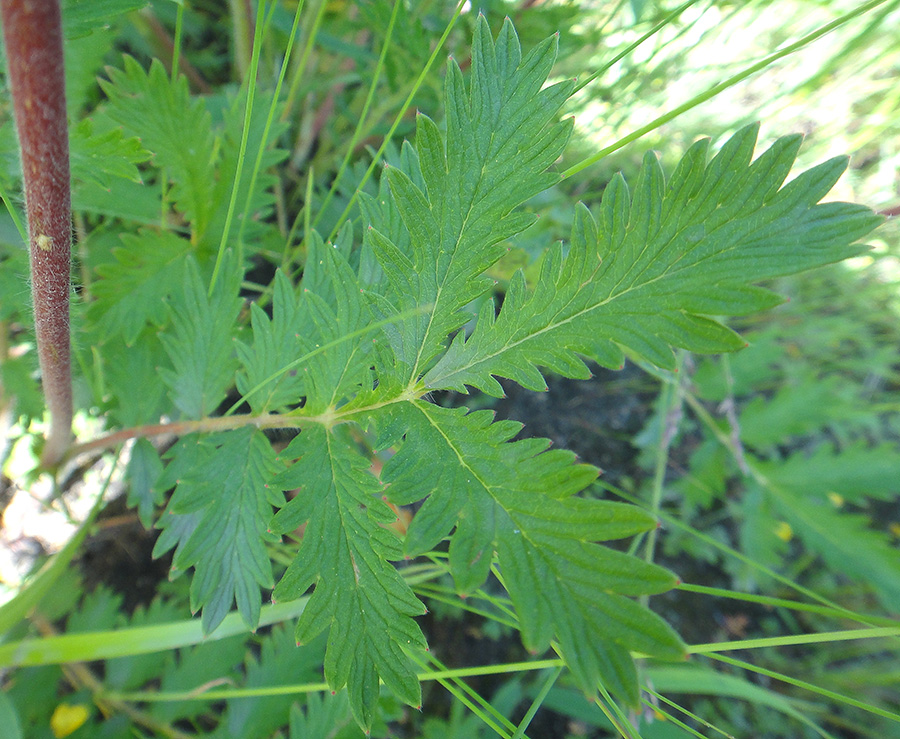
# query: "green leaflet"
{"type": "Point", "coordinates": [278, 663]}
{"type": "Point", "coordinates": [130, 375]}
{"type": "Point", "coordinates": [315, 345]}
{"type": "Point", "coordinates": [515, 498]}
{"type": "Point", "coordinates": [320, 716]}
{"type": "Point", "coordinates": [81, 18]}
{"type": "Point", "coordinates": [196, 665]}
{"type": "Point", "coordinates": [262, 201]}
{"type": "Point", "coordinates": [336, 314]}
{"type": "Point", "coordinates": [174, 127]}
{"type": "Point", "coordinates": [457, 198]}
{"type": "Point", "coordinates": [199, 342]}
{"type": "Point", "coordinates": [100, 157]}
{"type": "Point", "coordinates": [134, 287]}
{"type": "Point", "coordinates": [144, 469]}
{"type": "Point", "coordinates": [201, 162]}
{"type": "Point", "coordinates": [264, 382]}
{"type": "Point", "coordinates": [856, 473]}
{"type": "Point", "coordinates": [359, 597]}
{"type": "Point", "coordinates": [651, 272]}
{"type": "Point", "coordinates": [216, 520]}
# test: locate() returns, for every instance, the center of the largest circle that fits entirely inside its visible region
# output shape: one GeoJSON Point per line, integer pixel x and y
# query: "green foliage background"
{"type": "Point", "coordinates": [773, 469]}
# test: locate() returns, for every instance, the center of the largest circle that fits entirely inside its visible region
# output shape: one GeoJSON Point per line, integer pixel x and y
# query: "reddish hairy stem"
{"type": "Point", "coordinates": [32, 33]}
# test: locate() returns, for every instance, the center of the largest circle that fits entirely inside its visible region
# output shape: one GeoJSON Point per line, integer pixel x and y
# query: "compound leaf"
{"type": "Point", "coordinates": [659, 265]}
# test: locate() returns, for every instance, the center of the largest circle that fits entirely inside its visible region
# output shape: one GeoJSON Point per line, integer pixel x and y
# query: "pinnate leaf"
{"type": "Point", "coordinates": [654, 270]}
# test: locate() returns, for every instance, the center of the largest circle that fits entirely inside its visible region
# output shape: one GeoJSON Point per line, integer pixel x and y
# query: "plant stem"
{"type": "Point", "coordinates": [32, 32]}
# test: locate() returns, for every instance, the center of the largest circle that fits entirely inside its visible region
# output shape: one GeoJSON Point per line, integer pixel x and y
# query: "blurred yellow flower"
{"type": "Point", "coordinates": [784, 531]}
{"type": "Point", "coordinates": [68, 718]}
